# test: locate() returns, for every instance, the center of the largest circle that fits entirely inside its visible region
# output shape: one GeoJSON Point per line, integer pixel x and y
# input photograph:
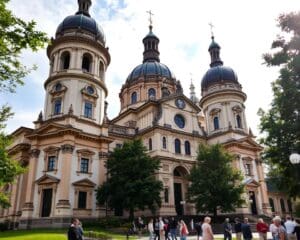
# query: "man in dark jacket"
{"type": "Point", "coordinates": [73, 233]}
{"type": "Point", "coordinates": [246, 230]}
{"type": "Point", "coordinates": [238, 228]}
{"type": "Point", "coordinates": [227, 230]}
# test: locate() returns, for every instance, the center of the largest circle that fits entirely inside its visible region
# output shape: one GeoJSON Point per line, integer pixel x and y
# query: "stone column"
{"type": "Point", "coordinates": [28, 207]}
{"type": "Point", "coordinates": [63, 207]}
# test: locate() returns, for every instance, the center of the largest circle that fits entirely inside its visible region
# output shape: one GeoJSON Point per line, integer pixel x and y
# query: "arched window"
{"type": "Point", "coordinates": [57, 107]}
{"type": "Point", "coordinates": [238, 121]}
{"type": "Point", "coordinates": [65, 60]}
{"type": "Point", "coordinates": [101, 70]}
{"type": "Point", "coordinates": [271, 202]}
{"type": "Point", "coordinates": [151, 93]}
{"type": "Point", "coordinates": [187, 147]}
{"type": "Point", "coordinates": [177, 146]}
{"type": "Point", "coordinates": [282, 205]}
{"type": "Point", "coordinates": [133, 97]}
{"type": "Point", "coordinates": [216, 123]}
{"type": "Point", "coordinates": [150, 144]}
{"type": "Point", "coordinates": [86, 62]}
{"type": "Point", "coordinates": [164, 143]}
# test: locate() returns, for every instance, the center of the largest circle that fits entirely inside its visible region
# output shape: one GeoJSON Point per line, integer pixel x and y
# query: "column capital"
{"type": "Point", "coordinates": [35, 153]}
{"type": "Point", "coordinates": [67, 148]}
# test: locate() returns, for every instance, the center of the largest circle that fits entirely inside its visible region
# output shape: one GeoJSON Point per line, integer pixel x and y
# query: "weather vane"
{"type": "Point", "coordinates": [211, 29]}
{"type": "Point", "coordinates": [150, 17]}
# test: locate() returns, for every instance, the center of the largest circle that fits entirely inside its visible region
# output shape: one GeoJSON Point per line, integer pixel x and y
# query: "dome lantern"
{"type": "Point", "coordinates": [214, 50]}
{"type": "Point", "coordinates": [84, 6]}
{"type": "Point", "coordinates": [151, 42]}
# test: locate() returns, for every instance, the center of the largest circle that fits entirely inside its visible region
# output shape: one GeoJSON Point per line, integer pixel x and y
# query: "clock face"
{"type": "Point", "coordinates": [180, 103]}
{"type": "Point", "coordinates": [179, 120]}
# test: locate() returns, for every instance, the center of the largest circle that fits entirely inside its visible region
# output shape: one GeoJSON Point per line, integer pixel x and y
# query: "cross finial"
{"type": "Point", "coordinates": [150, 17]}
{"type": "Point", "coordinates": [211, 29]}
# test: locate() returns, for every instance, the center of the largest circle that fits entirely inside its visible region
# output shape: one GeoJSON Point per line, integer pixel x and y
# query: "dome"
{"type": "Point", "coordinates": [218, 74]}
{"type": "Point", "coordinates": [80, 21]}
{"type": "Point", "coordinates": [150, 69]}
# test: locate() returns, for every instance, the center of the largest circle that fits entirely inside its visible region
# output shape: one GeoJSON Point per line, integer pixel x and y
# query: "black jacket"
{"type": "Point", "coordinates": [73, 233]}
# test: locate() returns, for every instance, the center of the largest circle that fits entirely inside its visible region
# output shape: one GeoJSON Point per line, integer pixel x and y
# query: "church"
{"type": "Point", "coordinates": [66, 151]}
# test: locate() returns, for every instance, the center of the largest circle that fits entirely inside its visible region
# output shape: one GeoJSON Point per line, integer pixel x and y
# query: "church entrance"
{"type": "Point", "coordinates": [252, 199]}
{"type": "Point", "coordinates": [46, 202]}
{"type": "Point", "coordinates": [180, 182]}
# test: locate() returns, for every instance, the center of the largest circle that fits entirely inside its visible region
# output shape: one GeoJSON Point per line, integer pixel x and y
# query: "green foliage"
{"type": "Point", "coordinates": [215, 184]}
{"type": "Point", "coordinates": [281, 124]}
{"type": "Point", "coordinates": [131, 184]}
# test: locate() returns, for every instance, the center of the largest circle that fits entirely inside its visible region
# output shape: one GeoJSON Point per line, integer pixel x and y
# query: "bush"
{"type": "Point", "coordinates": [4, 226]}
{"type": "Point", "coordinates": [100, 236]}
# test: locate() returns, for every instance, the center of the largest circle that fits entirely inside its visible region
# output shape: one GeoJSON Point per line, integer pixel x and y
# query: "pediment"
{"type": "Point", "coordinates": [50, 127]}
{"type": "Point", "coordinates": [47, 179]}
{"type": "Point", "coordinates": [171, 100]}
{"type": "Point", "coordinates": [84, 183]}
{"type": "Point", "coordinates": [246, 142]}
{"type": "Point", "coordinates": [250, 182]}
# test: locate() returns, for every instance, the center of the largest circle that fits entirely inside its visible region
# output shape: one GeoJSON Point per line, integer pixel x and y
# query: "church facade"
{"type": "Point", "coordinates": [66, 151]}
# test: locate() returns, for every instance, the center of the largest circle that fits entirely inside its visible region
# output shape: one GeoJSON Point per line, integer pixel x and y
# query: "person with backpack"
{"type": "Point", "coordinates": [183, 230]}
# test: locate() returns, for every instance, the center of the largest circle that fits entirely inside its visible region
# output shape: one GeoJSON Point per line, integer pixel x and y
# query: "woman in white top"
{"type": "Point", "coordinates": [151, 229]}
{"type": "Point", "coordinates": [207, 233]}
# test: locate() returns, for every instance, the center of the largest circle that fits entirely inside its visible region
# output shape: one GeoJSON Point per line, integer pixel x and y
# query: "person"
{"type": "Point", "coordinates": [173, 228]}
{"type": "Point", "coordinates": [297, 229]}
{"type": "Point", "coordinates": [290, 227]}
{"type": "Point", "coordinates": [156, 229]}
{"type": "Point", "coordinates": [192, 226]}
{"type": "Point", "coordinates": [198, 227]}
{"type": "Point", "coordinates": [183, 230]}
{"type": "Point", "coordinates": [207, 233]}
{"type": "Point", "coordinates": [280, 233]}
{"type": "Point", "coordinates": [80, 230]}
{"type": "Point", "coordinates": [273, 229]}
{"type": "Point", "coordinates": [166, 229]}
{"type": "Point", "coordinates": [246, 230]}
{"type": "Point", "coordinates": [227, 229]}
{"type": "Point", "coordinates": [73, 233]}
{"type": "Point", "coordinates": [140, 225]}
{"type": "Point", "coordinates": [151, 229]}
{"type": "Point", "coordinates": [131, 230]}
{"type": "Point", "coordinates": [262, 229]}
{"type": "Point", "coordinates": [238, 228]}
{"type": "Point", "coordinates": [161, 228]}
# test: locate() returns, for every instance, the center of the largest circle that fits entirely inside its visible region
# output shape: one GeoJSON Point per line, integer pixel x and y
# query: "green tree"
{"type": "Point", "coordinates": [131, 184]}
{"type": "Point", "coordinates": [281, 123]}
{"type": "Point", "coordinates": [16, 35]}
{"type": "Point", "coordinates": [215, 184]}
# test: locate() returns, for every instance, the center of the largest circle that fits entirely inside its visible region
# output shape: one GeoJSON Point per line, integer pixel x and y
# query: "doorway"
{"type": "Point", "coordinates": [46, 202]}
{"type": "Point", "coordinates": [178, 199]}
{"type": "Point", "coordinates": [252, 199]}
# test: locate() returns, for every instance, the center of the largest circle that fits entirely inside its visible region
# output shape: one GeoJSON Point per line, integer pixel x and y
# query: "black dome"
{"type": "Point", "coordinates": [81, 21]}
{"type": "Point", "coordinates": [218, 74]}
{"type": "Point", "coordinates": [150, 69]}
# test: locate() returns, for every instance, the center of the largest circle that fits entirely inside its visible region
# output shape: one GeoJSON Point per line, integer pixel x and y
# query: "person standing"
{"type": "Point", "coordinates": [262, 229]}
{"type": "Point", "coordinates": [183, 230]}
{"type": "Point", "coordinates": [73, 233]}
{"type": "Point", "coordinates": [290, 227]}
{"type": "Point", "coordinates": [161, 228]}
{"type": "Point", "coordinates": [297, 229]}
{"type": "Point", "coordinates": [207, 233]}
{"type": "Point", "coordinates": [198, 227]}
{"type": "Point", "coordinates": [151, 229]}
{"type": "Point", "coordinates": [192, 225]}
{"type": "Point", "coordinates": [173, 228]}
{"type": "Point", "coordinates": [246, 230]}
{"type": "Point", "coordinates": [156, 229]}
{"type": "Point", "coordinates": [238, 228]}
{"type": "Point", "coordinates": [167, 229]}
{"type": "Point", "coordinates": [227, 230]}
{"type": "Point", "coordinates": [280, 230]}
{"type": "Point", "coordinates": [273, 229]}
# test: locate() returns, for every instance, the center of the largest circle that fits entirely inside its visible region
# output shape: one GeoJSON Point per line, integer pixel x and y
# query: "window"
{"type": "Point", "coordinates": [216, 123]}
{"type": "Point", "coordinates": [118, 145]}
{"type": "Point", "coordinates": [150, 144]}
{"type": "Point", "coordinates": [166, 195]}
{"type": "Point", "coordinates": [282, 205]}
{"type": "Point", "coordinates": [90, 90]}
{"type": "Point", "coordinates": [82, 200]}
{"type": "Point", "coordinates": [271, 202]}
{"type": "Point", "coordinates": [58, 87]}
{"type": "Point", "coordinates": [133, 97]}
{"type": "Point", "coordinates": [239, 121]}
{"type": "Point", "coordinates": [179, 120]}
{"type": "Point", "coordinates": [65, 60]}
{"type": "Point", "coordinates": [51, 163]}
{"type": "Point", "coordinates": [84, 165]}
{"type": "Point", "coordinates": [151, 93]}
{"type": "Point", "coordinates": [57, 107]}
{"type": "Point", "coordinates": [248, 169]}
{"type": "Point", "coordinates": [187, 147]}
{"type": "Point", "coordinates": [88, 110]}
{"type": "Point", "coordinates": [86, 62]}
{"type": "Point", "coordinates": [177, 146]}
{"type": "Point", "coordinates": [164, 143]}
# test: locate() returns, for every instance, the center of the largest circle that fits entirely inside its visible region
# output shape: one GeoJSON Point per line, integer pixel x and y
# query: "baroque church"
{"type": "Point", "coordinates": [66, 151]}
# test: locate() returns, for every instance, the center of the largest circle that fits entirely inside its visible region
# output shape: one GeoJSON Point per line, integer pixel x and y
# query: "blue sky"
{"type": "Point", "coordinates": [244, 30]}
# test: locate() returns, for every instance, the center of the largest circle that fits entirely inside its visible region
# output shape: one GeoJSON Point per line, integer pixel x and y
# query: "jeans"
{"type": "Point", "coordinates": [173, 233]}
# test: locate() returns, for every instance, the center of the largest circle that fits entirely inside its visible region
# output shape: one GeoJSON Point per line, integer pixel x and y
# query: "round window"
{"type": "Point", "coordinates": [179, 120]}
{"type": "Point", "coordinates": [90, 90]}
{"type": "Point", "coordinates": [58, 87]}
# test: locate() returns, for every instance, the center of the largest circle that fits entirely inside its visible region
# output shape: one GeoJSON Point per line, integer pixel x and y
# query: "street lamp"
{"type": "Point", "coordinates": [295, 158]}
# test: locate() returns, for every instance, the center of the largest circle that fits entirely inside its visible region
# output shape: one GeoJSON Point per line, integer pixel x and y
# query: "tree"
{"type": "Point", "coordinates": [131, 184]}
{"type": "Point", "coordinates": [281, 123]}
{"type": "Point", "coordinates": [215, 184]}
{"type": "Point", "coordinates": [16, 35]}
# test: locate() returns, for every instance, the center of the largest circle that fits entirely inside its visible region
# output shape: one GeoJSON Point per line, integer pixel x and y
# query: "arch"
{"type": "Point", "coordinates": [271, 202]}
{"type": "Point", "coordinates": [216, 123]}
{"type": "Point", "coordinates": [282, 205]}
{"type": "Point", "coordinates": [164, 143]}
{"type": "Point", "coordinates": [238, 121]}
{"type": "Point", "coordinates": [133, 97]}
{"type": "Point", "coordinates": [65, 60]}
{"type": "Point", "coordinates": [101, 70]}
{"type": "Point", "coordinates": [87, 62]}
{"type": "Point", "coordinates": [177, 146]}
{"type": "Point", "coordinates": [187, 148]}
{"type": "Point", "coordinates": [180, 171]}
{"type": "Point", "coordinates": [151, 93]}
{"type": "Point", "coordinates": [150, 144]}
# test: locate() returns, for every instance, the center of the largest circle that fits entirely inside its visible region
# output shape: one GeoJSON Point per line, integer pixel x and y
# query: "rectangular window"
{"type": "Point", "coordinates": [88, 110]}
{"type": "Point", "coordinates": [51, 163]}
{"type": "Point", "coordinates": [248, 169]}
{"type": "Point", "coordinates": [166, 195]}
{"type": "Point", "coordinates": [118, 145]}
{"type": "Point", "coordinates": [82, 200]}
{"type": "Point", "coordinates": [57, 107]}
{"type": "Point", "coordinates": [84, 165]}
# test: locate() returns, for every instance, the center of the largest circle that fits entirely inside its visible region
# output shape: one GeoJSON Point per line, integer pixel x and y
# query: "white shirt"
{"type": "Point", "coordinates": [289, 226]}
{"type": "Point", "coordinates": [150, 227]}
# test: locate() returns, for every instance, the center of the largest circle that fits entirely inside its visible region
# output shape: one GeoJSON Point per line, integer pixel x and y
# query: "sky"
{"type": "Point", "coordinates": [244, 30]}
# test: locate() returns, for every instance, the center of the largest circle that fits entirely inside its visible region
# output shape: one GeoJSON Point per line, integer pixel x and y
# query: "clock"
{"type": "Point", "coordinates": [179, 120]}
{"type": "Point", "coordinates": [180, 103]}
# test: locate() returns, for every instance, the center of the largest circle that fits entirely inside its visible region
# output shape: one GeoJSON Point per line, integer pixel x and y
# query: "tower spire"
{"type": "Point", "coordinates": [83, 7]}
{"type": "Point", "coordinates": [214, 50]}
{"type": "Point", "coordinates": [193, 96]}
